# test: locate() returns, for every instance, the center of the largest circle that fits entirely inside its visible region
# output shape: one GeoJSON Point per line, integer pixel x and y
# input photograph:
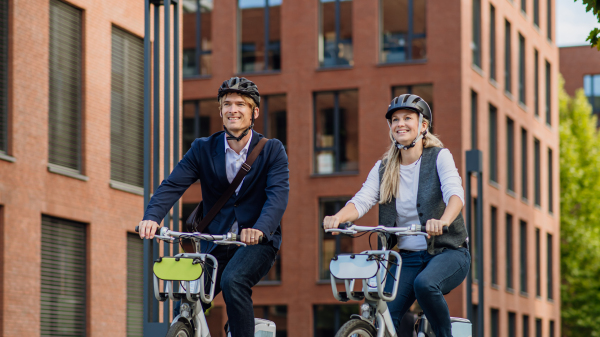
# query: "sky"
{"type": "Point", "coordinates": [573, 24]}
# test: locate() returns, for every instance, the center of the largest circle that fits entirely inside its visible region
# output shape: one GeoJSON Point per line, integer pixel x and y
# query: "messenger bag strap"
{"type": "Point", "coordinates": [246, 166]}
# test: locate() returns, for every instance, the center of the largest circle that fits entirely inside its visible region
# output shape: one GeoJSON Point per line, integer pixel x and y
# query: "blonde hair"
{"type": "Point", "coordinates": [390, 184]}
{"type": "Point", "coordinates": [246, 99]}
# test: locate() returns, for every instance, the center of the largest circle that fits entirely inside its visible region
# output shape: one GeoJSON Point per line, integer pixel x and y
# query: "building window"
{"type": "Point", "coordinates": [336, 132]}
{"type": "Point", "coordinates": [536, 167]}
{"type": "Point", "coordinates": [403, 30]}
{"type": "Point", "coordinates": [507, 58]}
{"type": "Point", "coordinates": [524, 6]}
{"type": "Point", "coordinates": [328, 319]}
{"type": "Point", "coordinates": [127, 109]}
{"type": "Point", "coordinates": [425, 91]}
{"type": "Point", "coordinates": [509, 251]}
{"type": "Point", "coordinates": [4, 77]}
{"type": "Point", "coordinates": [200, 119]}
{"type": "Point", "coordinates": [536, 13]}
{"type": "Point", "coordinates": [272, 122]}
{"type": "Point", "coordinates": [538, 265]}
{"type": "Point", "coordinates": [331, 245]}
{"type": "Point", "coordinates": [275, 313]}
{"type": "Point", "coordinates": [536, 83]}
{"type": "Point", "coordinates": [260, 37]}
{"type": "Point", "coordinates": [538, 327]}
{"type": "Point", "coordinates": [492, 42]}
{"type": "Point", "coordinates": [197, 37]}
{"type": "Point", "coordinates": [548, 95]}
{"type": "Point", "coordinates": [473, 119]}
{"type": "Point", "coordinates": [522, 80]}
{"type": "Point", "coordinates": [65, 99]}
{"type": "Point", "coordinates": [510, 154]}
{"type": "Point", "coordinates": [512, 324]}
{"type": "Point", "coordinates": [550, 267]}
{"type": "Point", "coordinates": [335, 34]}
{"type": "Point", "coordinates": [524, 158]}
{"type": "Point", "coordinates": [135, 293]}
{"type": "Point", "coordinates": [525, 325]}
{"type": "Point", "coordinates": [274, 274]}
{"type": "Point", "coordinates": [549, 19]}
{"type": "Point", "coordinates": [494, 233]}
{"type": "Point", "coordinates": [476, 33]}
{"type": "Point", "coordinates": [591, 87]}
{"type": "Point", "coordinates": [493, 144]}
{"type": "Point", "coordinates": [63, 278]}
{"type": "Point", "coordinates": [551, 334]}
{"type": "Point", "coordinates": [550, 182]}
{"type": "Point", "coordinates": [523, 255]}
{"type": "Point", "coordinates": [495, 323]}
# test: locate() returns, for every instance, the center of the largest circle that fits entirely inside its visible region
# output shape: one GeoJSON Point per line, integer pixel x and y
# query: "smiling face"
{"type": "Point", "coordinates": [236, 111]}
{"type": "Point", "coordinates": [405, 126]}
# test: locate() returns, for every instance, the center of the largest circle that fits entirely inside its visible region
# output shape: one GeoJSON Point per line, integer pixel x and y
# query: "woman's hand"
{"type": "Point", "coordinates": [435, 227]}
{"type": "Point", "coordinates": [331, 221]}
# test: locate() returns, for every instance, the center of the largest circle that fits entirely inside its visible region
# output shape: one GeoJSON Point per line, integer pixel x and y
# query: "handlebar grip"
{"type": "Point", "coordinates": [444, 229]}
{"type": "Point", "coordinates": [345, 225]}
{"type": "Point", "coordinates": [137, 229]}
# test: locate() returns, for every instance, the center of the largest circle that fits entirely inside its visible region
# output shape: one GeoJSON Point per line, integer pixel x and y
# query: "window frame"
{"type": "Point", "coordinates": [198, 51]}
{"type": "Point", "coordinates": [493, 60]}
{"type": "Point", "coordinates": [476, 34]}
{"type": "Point", "coordinates": [493, 143]}
{"type": "Point", "coordinates": [550, 267]}
{"type": "Point", "coordinates": [507, 57]}
{"type": "Point", "coordinates": [536, 81]}
{"type": "Point", "coordinates": [537, 172]}
{"type": "Point", "coordinates": [550, 181]}
{"type": "Point", "coordinates": [267, 46]}
{"type": "Point", "coordinates": [509, 252]}
{"type": "Point", "coordinates": [510, 154]}
{"type": "Point", "coordinates": [340, 202]}
{"type": "Point", "coordinates": [538, 264]}
{"type": "Point", "coordinates": [523, 279]}
{"type": "Point", "coordinates": [548, 94]}
{"type": "Point", "coordinates": [494, 248]}
{"type": "Point", "coordinates": [522, 70]}
{"type": "Point", "coordinates": [321, 39]}
{"type": "Point", "coordinates": [524, 166]}
{"type": "Point", "coordinates": [410, 35]}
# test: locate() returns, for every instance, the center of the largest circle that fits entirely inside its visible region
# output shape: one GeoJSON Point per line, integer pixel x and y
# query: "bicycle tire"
{"type": "Point", "coordinates": [180, 329]}
{"type": "Point", "coordinates": [356, 328]}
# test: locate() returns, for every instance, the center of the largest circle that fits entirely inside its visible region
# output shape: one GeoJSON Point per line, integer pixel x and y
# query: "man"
{"type": "Point", "coordinates": [253, 211]}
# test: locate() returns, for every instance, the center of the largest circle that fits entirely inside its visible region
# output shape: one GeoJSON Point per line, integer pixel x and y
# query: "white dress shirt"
{"type": "Point", "coordinates": [233, 163]}
{"type": "Point", "coordinates": [406, 202]}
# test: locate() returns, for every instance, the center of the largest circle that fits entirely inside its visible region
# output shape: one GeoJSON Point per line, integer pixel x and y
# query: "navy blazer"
{"type": "Point", "coordinates": [260, 203]}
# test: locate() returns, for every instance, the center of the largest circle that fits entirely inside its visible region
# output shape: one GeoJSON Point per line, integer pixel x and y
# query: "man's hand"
{"type": "Point", "coordinates": [251, 236]}
{"type": "Point", "coordinates": [331, 221]}
{"type": "Point", "coordinates": [147, 228]}
{"type": "Point", "coordinates": [435, 227]}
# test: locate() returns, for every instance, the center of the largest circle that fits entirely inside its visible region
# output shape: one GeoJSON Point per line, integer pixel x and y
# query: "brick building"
{"type": "Point", "coordinates": [327, 70]}
{"type": "Point", "coordinates": [580, 68]}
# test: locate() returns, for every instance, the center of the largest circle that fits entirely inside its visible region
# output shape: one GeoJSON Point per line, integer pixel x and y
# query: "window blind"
{"type": "Point", "coordinates": [63, 291]}
{"type": "Point", "coordinates": [65, 86]}
{"type": "Point", "coordinates": [127, 109]}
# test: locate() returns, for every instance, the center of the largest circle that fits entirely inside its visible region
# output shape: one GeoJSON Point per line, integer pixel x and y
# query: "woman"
{"type": "Point", "coordinates": [417, 182]}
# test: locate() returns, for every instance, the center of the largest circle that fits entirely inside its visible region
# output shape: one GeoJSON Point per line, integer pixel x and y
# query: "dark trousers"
{"type": "Point", "coordinates": [240, 268]}
{"type": "Point", "coordinates": [427, 278]}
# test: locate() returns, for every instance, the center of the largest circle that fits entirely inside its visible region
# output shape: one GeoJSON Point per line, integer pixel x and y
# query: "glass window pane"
{"type": "Point", "coordinates": [587, 85]}
{"type": "Point", "coordinates": [278, 118]}
{"type": "Point", "coordinates": [252, 32]}
{"type": "Point", "coordinates": [197, 32]}
{"type": "Point", "coordinates": [336, 49]}
{"type": "Point", "coordinates": [275, 313]}
{"type": "Point", "coordinates": [188, 134]}
{"type": "Point", "coordinates": [348, 110]}
{"type": "Point", "coordinates": [596, 85]}
{"type": "Point", "coordinates": [330, 244]}
{"type": "Point", "coordinates": [399, 40]}
{"type": "Point", "coordinates": [324, 132]}
{"type": "Point", "coordinates": [210, 122]}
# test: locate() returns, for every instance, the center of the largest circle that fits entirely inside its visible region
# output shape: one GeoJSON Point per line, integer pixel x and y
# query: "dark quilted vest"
{"type": "Point", "coordinates": [430, 205]}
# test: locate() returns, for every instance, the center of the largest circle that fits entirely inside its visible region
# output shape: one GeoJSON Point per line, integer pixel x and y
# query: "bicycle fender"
{"type": "Point", "coordinates": [185, 321]}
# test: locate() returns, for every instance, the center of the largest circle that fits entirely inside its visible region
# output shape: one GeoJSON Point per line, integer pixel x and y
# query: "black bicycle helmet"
{"type": "Point", "coordinates": [413, 103]}
{"type": "Point", "coordinates": [410, 102]}
{"type": "Point", "coordinates": [240, 85]}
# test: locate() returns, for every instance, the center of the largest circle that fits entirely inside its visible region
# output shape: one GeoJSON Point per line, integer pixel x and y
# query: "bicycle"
{"type": "Point", "coordinates": [373, 268]}
{"type": "Point", "coordinates": [187, 269]}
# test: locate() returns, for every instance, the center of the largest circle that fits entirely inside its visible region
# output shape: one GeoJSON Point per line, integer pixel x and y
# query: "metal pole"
{"type": "Point", "coordinates": [469, 211]}
{"type": "Point", "coordinates": [167, 123]}
{"type": "Point", "coordinates": [267, 35]}
{"type": "Point", "coordinates": [156, 162]}
{"type": "Point", "coordinates": [480, 288]}
{"type": "Point", "coordinates": [176, 137]}
{"type": "Point", "coordinates": [147, 117]}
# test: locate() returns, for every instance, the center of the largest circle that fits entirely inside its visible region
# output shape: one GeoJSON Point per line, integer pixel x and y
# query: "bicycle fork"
{"type": "Point", "coordinates": [383, 319]}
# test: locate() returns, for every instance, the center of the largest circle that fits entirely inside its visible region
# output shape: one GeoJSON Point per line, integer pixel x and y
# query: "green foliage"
{"type": "Point", "coordinates": [580, 216]}
{"type": "Point", "coordinates": [594, 7]}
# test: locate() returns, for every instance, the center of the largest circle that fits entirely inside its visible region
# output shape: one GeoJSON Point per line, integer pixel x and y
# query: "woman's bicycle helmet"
{"type": "Point", "coordinates": [413, 103]}
{"type": "Point", "coordinates": [242, 86]}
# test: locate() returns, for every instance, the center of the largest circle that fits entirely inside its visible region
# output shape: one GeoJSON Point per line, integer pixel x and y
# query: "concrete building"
{"type": "Point", "coordinates": [70, 145]}
{"type": "Point", "coordinates": [580, 68]}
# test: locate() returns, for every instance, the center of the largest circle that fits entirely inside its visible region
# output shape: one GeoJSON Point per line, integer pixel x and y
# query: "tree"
{"type": "Point", "coordinates": [580, 216]}
{"type": "Point", "coordinates": [594, 7]}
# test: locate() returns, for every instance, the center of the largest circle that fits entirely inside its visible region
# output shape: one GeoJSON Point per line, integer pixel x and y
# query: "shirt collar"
{"type": "Point", "coordinates": [245, 149]}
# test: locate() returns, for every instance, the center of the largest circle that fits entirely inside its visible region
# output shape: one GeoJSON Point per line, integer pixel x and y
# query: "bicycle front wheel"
{"type": "Point", "coordinates": [356, 328]}
{"type": "Point", "coordinates": [180, 329]}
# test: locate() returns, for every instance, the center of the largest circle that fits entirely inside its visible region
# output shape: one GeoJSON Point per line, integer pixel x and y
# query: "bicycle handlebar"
{"type": "Point", "coordinates": [350, 228]}
{"type": "Point", "coordinates": [229, 238]}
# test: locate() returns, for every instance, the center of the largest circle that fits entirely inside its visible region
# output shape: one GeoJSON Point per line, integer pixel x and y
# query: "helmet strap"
{"type": "Point", "coordinates": [230, 136]}
{"type": "Point", "coordinates": [414, 142]}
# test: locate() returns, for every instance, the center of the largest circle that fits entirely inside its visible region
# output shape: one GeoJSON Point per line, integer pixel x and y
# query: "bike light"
{"type": "Point", "coordinates": [365, 310]}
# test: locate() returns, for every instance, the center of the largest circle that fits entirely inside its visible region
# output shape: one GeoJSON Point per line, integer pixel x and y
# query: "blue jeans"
{"type": "Point", "coordinates": [427, 278]}
{"type": "Point", "coordinates": [240, 268]}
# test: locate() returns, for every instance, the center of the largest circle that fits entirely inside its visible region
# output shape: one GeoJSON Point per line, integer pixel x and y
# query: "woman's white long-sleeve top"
{"type": "Point", "coordinates": [406, 202]}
